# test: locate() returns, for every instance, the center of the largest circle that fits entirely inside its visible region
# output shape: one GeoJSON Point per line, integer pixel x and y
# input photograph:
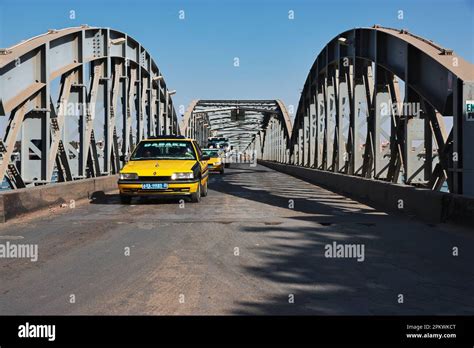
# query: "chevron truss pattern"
{"type": "Point", "coordinates": [242, 122]}
{"type": "Point", "coordinates": [375, 104]}
{"type": "Point", "coordinates": [73, 101]}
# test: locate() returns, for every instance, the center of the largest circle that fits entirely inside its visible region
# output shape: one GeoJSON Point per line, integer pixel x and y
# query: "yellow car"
{"type": "Point", "coordinates": [215, 163]}
{"type": "Point", "coordinates": [165, 166]}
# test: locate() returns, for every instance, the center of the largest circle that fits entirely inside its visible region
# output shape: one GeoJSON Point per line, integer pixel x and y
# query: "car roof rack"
{"type": "Point", "coordinates": [167, 137]}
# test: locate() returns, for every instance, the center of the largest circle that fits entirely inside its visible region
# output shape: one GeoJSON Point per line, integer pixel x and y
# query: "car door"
{"type": "Point", "coordinates": [202, 164]}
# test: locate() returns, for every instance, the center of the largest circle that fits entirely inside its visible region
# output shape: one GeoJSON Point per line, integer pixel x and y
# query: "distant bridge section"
{"type": "Point", "coordinates": [73, 101]}
{"type": "Point", "coordinates": [374, 105]}
{"type": "Point", "coordinates": [242, 122]}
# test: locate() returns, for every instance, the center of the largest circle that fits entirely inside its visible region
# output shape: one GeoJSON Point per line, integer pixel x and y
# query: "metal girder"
{"type": "Point", "coordinates": [75, 99]}
{"type": "Point", "coordinates": [374, 105]}
{"type": "Point", "coordinates": [6, 148]}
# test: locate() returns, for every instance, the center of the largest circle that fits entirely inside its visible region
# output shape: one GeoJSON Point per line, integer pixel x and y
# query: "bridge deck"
{"type": "Point", "coordinates": [190, 251]}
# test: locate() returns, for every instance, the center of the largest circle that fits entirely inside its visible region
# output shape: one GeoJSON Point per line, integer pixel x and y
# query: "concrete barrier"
{"type": "Point", "coordinates": [431, 206]}
{"type": "Point", "coordinates": [19, 202]}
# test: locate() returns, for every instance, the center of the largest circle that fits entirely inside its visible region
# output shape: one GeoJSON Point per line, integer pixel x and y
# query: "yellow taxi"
{"type": "Point", "coordinates": [165, 166]}
{"type": "Point", "coordinates": [215, 162]}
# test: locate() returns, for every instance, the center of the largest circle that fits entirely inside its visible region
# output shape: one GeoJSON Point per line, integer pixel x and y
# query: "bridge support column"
{"type": "Point", "coordinates": [313, 126]}
{"type": "Point", "coordinates": [320, 126]}
{"type": "Point", "coordinates": [306, 140]}
{"type": "Point", "coordinates": [343, 127]}
{"type": "Point", "coordinates": [381, 114]}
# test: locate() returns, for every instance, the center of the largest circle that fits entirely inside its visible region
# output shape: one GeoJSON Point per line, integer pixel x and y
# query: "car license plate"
{"type": "Point", "coordinates": [154, 186]}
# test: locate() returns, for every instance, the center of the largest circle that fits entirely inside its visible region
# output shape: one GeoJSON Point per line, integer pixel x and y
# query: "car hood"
{"type": "Point", "coordinates": [158, 167]}
{"type": "Point", "coordinates": [214, 160]}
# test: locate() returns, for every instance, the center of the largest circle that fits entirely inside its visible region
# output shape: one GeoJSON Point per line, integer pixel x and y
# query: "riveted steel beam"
{"type": "Point", "coordinates": [364, 125]}
{"type": "Point", "coordinates": [87, 95]}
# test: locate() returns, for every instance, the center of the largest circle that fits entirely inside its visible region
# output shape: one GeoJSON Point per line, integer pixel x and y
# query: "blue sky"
{"type": "Point", "coordinates": [196, 55]}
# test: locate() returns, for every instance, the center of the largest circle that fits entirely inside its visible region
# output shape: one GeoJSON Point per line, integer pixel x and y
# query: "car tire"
{"type": "Point", "coordinates": [196, 196]}
{"type": "Point", "coordinates": [125, 199]}
{"type": "Point", "coordinates": [222, 171]}
{"type": "Point", "coordinates": [204, 189]}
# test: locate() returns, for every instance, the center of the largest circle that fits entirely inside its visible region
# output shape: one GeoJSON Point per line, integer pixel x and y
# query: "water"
{"type": "Point", "coordinates": [444, 188]}
{"type": "Point", "coordinates": [5, 186]}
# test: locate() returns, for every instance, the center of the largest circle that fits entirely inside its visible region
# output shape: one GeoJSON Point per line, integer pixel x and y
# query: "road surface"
{"type": "Point", "coordinates": [255, 245]}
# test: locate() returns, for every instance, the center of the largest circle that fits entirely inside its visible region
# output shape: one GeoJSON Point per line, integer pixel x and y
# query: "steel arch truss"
{"type": "Point", "coordinates": [75, 100]}
{"type": "Point", "coordinates": [374, 105]}
{"type": "Point", "coordinates": [244, 122]}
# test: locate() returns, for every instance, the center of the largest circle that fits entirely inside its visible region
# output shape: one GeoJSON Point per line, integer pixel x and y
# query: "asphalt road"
{"type": "Point", "coordinates": [245, 249]}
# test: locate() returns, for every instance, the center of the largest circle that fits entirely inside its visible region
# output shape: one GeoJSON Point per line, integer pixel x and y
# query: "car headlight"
{"type": "Point", "coordinates": [180, 176]}
{"type": "Point", "coordinates": [218, 162]}
{"type": "Point", "coordinates": [128, 176]}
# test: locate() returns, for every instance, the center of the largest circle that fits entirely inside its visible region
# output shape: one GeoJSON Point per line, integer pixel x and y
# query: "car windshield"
{"type": "Point", "coordinates": [220, 143]}
{"type": "Point", "coordinates": [156, 150]}
{"type": "Point", "coordinates": [211, 153]}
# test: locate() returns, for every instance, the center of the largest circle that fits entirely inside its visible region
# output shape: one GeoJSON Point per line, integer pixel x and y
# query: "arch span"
{"type": "Point", "coordinates": [375, 103]}
{"type": "Point", "coordinates": [74, 100]}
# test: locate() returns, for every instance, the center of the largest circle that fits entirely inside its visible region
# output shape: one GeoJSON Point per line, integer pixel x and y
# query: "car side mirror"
{"type": "Point", "coordinates": [123, 158]}
{"type": "Point", "coordinates": [205, 158]}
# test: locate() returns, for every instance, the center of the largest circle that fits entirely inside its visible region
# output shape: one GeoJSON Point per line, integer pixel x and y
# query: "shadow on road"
{"type": "Point", "coordinates": [402, 256]}
{"type": "Point", "coordinates": [100, 197]}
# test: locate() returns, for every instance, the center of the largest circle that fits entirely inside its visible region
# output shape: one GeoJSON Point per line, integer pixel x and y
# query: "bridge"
{"type": "Point", "coordinates": [378, 157]}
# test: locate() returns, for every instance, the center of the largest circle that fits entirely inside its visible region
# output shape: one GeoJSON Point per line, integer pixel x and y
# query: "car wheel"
{"type": "Point", "coordinates": [222, 171]}
{"type": "Point", "coordinates": [125, 199]}
{"type": "Point", "coordinates": [204, 189]}
{"type": "Point", "coordinates": [196, 196]}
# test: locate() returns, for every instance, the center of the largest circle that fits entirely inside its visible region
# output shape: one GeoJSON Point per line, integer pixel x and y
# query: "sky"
{"type": "Point", "coordinates": [196, 54]}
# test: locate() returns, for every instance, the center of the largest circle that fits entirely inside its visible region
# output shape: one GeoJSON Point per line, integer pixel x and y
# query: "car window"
{"type": "Point", "coordinates": [198, 149]}
{"type": "Point", "coordinates": [211, 153]}
{"type": "Point", "coordinates": [169, 149]}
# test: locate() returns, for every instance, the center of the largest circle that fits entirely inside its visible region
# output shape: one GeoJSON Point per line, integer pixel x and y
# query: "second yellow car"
{"type": "Point", "coordinates": [215, 162]}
